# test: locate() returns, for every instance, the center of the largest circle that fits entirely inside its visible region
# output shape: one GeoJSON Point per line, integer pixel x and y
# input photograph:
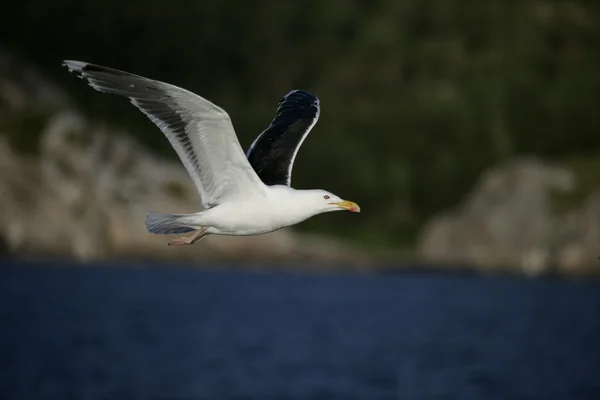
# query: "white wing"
{"type": "Point", "coordinates": [200, 132]}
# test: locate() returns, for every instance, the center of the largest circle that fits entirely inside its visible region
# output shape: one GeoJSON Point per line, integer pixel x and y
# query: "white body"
{"type": "Point", "coordinates": [274, 209]}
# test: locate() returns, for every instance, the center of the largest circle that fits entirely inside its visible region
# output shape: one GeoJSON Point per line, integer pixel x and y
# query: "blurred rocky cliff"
{"type": "Point", "coordinates": [80, 190]}
{"type": "Point", "coordinates": [526, 216]}
{"type": "Point", "coordinates": [75, 188]}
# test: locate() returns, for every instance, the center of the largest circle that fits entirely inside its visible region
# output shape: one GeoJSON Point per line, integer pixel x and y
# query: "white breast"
{"type": "Point", "coordinates": [278, 208]}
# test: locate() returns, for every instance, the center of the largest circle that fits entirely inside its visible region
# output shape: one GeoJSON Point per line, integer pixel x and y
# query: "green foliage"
{"type": "Point", "coordinates": [23, 130]}
{"type": "Point", "coordinates": [586, 171]}
{"type": "Point", "coordinates": [417, 96]}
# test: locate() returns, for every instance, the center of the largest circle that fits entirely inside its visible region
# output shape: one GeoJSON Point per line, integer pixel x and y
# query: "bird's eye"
{"type": "Point", "coordinates": [326, 197]}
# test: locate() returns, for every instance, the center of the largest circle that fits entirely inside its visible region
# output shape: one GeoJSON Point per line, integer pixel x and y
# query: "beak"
{"type": "Point", "coordinates": [348, 205]}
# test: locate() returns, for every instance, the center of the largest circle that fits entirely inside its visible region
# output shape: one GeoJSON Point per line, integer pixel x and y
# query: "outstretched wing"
{"type": "Point", "coordinates": [273, 152]}
{"type": "Point", "coordinates": [200, 132]}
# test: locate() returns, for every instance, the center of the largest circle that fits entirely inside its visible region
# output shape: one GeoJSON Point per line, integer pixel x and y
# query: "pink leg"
{"type": "Point", "coordinates": [192, 239]}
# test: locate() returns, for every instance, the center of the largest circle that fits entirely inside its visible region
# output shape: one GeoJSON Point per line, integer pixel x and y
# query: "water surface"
{"type": "Point", "coordinates": [72, 332]}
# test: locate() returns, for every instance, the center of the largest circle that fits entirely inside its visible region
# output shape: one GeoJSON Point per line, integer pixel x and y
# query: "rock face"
{"type": "Point", "coordinates": [509, 222]}
{"type": "Point", "coordinates": [86, 192]}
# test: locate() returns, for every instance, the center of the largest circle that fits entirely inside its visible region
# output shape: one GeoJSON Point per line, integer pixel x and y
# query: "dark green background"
{"type": "Point", "coordinates": [417, 97]}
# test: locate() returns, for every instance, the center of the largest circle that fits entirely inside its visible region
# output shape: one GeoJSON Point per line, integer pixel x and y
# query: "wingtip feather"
{"type": "Point", "coordinates": [74, 66]}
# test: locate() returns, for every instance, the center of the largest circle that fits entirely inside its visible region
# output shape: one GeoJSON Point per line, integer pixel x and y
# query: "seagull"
{"type": "Point", "coordinates": [241, 194]}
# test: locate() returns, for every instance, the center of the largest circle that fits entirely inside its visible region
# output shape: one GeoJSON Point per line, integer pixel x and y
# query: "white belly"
{"type": "Point", "coordinates": [247, 218]}
{"type": "Point", "coordinates": [273, 209]}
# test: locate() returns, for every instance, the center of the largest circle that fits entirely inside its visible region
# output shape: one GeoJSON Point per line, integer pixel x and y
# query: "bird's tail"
{"type": "Point", "coordinates": [167, 224]}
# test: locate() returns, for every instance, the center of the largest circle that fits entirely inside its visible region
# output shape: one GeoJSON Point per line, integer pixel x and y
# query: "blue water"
{"type": "Point", "coordinates": [72, 332]}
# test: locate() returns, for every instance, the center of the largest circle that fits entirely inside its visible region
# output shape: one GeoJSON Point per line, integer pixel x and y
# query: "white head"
{"type": "Point", "coordinates": [299, 205]}
{"type": "Point", "coordinates": [327, 202]}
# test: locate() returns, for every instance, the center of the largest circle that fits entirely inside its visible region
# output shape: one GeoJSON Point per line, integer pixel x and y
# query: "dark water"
{"type": "Point", "coordinates": [108, 333]}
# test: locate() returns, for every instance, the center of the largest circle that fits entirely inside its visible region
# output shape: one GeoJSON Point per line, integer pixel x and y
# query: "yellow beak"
{"type": "Point", "coordinates": [348, 205]}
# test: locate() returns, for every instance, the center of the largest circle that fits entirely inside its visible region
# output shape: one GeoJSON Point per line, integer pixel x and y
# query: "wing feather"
{"type": "Point", "coordinates": [273, 152]}
{"type": "Point", "coordinates": [200, 132]}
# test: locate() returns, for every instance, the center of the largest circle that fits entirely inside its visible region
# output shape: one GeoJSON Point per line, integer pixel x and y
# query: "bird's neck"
{"type": "Point", "coordinates": [290, 204]}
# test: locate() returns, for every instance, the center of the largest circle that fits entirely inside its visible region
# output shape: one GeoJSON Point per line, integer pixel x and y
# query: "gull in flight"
{"type": "Point", "coordinates": [241, 194]}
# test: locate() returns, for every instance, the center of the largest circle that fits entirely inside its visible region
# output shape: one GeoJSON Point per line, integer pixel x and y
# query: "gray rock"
{"type": "Point", "coordinates": [508, 222]}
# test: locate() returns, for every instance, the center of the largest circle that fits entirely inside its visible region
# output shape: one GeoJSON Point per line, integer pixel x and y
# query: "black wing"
{"type": "Point", "coordinates": [273, 152]}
